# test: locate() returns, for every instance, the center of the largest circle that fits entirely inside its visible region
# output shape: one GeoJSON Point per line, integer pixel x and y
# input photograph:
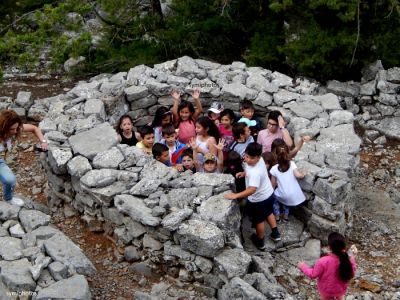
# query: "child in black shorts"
{"type": "Point", "coordinates": [260, 195]}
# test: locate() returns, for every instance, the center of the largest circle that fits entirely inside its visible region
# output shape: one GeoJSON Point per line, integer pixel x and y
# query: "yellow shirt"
{"type": "Point", "coordinates": [145, 149]}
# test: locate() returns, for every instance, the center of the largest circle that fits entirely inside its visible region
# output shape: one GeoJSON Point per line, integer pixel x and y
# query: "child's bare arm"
{"type": "Point", "coordinates": [197, 102]}
{"type": "Point", "coordinates": [192, 144]}
{"type": "Point", "coordinates": [220, 147]}
{"type": "Point", "coordinates": [299, 145]}
{"type": "Point", "coordinates": [285, 133]}
{"type": "Point", "coordinates": [177, 100]}
{"type": "Point", "coordinates": [273, 181]}
{"type": "Point", "coordinates": [299, 174]}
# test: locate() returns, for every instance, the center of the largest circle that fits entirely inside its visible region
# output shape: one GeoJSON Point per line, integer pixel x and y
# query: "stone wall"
{"type": "Point", "coordinates": [180, 219]}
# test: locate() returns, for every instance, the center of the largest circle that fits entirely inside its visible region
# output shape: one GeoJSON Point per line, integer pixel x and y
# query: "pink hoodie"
{"type": "Point", "coordinates": [326, 270]}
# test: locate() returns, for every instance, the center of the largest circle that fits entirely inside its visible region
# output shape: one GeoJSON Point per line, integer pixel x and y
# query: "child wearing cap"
{"type": "Point", "coordinates": [211, 163]}
{"type": "Point", "coordinates": [214, 112]}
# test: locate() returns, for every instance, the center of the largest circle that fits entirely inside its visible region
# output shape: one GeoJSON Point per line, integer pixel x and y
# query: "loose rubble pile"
{"type": "Point", "coordinates": [38, 260]}
{"type": "Point", "coordinates": [182, 220]}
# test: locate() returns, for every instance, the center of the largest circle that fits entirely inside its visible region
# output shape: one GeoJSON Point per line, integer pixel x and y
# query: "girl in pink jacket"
{"type": "Point", "coordinates": [333, 271]}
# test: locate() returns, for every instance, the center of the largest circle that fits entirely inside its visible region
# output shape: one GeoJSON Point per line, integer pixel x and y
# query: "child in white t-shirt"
{"type": "Point", "coordinates": [260, 195]}
{"type": "Point", "coordinates": [284, 175]}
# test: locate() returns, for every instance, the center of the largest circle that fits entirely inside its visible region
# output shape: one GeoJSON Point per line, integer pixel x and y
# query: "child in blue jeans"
{"type": "Point", "coordinates": [11, 126]}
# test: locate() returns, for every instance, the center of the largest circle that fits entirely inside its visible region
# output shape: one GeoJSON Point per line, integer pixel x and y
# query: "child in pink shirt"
{"type": "Point", "coordinates": [333, 271]}
{"type": "Point", "coordinates": [185, 116]}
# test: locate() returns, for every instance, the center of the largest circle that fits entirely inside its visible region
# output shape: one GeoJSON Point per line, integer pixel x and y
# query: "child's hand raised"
{"type": "Point", "coordinates": [281, 122]}
{"type": "Point", "coordinates": [175, 95]}
{"type": "Point", "coordinates": [196, 94]}
{"type": "Point", "coordinates": [221, 144]}
{"type": "Point", "coordinates": [192, 143]}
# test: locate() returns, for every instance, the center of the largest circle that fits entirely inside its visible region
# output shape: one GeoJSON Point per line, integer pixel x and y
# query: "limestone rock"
{"type": "Point", "coordinates": [341, 138]}
{"type": "Point", "coordinates": [75, 287]}
{"type": "Point", "coordinates": [173, 220]}
{"type": "Point", "coordinates": [200, 237]}
{"type": "Point", "coordinates": [305, 109]}
{"type": "Point", "coordinates": [214, 180]}
{"type": "Point", "coordinates": [343, 88]}
{"type": "Point", "coordinates": [145, 187]}
{"type": "Point", "coordinates": [32, 219]}
{"type": "Point", "coordinates": [224, 213]}
{"type": "Point", "coordinates": [24, 99]}
{"type": "Point", "coordinates": [338, 117]}
{"type": "Point", "coordinates": [233, 262]}
{"type": "Point", "coordinates": [78, 166]}
{"type": "Point", "coordinates": [8, 211]}
{"type": "Point", "coordinates": [95, 107]}
{"type": "Point", "coordinates": [187, 67]}
{"type": "Point", "coordinates": [136, 209]}
{"type": "Point", "coordinates": [108, 159]}
{"type": "Point", "coordinates": [238, 92]}
{"type": "Point", "coordinates": [389, 126]}
{"type": "Point", "coordinates": [58, 159]}
{"type": "Point", "coordinates": [284, 96]}
{"type": "Point", "coordinates": [10, 248]}
{"type": "Point", "coordinates": [328, 101]}
{"type": "Point", "coordinates": [332, 192]}
{"type": "Point", "coordinates": [179, 198]}
{"type": "Point", "coordinates": [16, 276]}
{"type": "Point", "coordinates": [239, 289]}
{"type": "Point", "coordinates": [99, 178]}
{"type": "Point", "coordinates": [61, 248]}
{"type": "Point", "coordinates": [93, 141]}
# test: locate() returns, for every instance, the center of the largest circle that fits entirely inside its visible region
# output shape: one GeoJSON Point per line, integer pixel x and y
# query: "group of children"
{"type": "Point", "coordinates": [260, 159]}
{"type": "Point", "coordinates": [216, 143]}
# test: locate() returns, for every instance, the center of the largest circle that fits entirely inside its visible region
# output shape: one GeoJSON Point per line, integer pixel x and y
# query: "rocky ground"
{"type": "Point", "coordinates": [375, 228]}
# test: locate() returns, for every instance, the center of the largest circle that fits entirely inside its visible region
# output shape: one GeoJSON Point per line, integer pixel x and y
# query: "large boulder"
{"type": "Point", "coordinates": [32, 219]}
{"type": "Point", "coordinates": [233, 262]}
{"type": "Point", "coordinates": [93, 141]}
{"type": "Point", "coordinates": [136, 209]}
{"type": "Point", "coordinates": [237, 288]}
{"type": "Point", "coordinates": [16, 275]}
{"type": "Point", "coordinates": [61, 248]}
{"type": "Point", "coordinates": [200, 237]}
{"type": "Point", "coordinates": [75, 287]}
{"type": "Point", "coordinates": [225, 213]}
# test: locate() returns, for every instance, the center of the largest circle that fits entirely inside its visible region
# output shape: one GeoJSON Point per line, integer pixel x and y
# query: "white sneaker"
{"type": "Point", "coordinates": [17, 201]}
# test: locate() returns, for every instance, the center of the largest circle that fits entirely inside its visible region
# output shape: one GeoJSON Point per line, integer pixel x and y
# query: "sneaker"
{"type": "Point", "coordinates": [16, 201]}
{"type": "Point", "coordinates": [277, 218]}
{"type": "Point", "coordinates": [259, 243]}
{"type": "Point", "coordinates": [285, 218]}
{"type": "Point", "coordinates": [276, 237]}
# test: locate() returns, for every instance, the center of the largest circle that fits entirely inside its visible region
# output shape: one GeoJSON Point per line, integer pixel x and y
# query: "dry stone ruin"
{"type": "Point", "coordinates": [181, 220]}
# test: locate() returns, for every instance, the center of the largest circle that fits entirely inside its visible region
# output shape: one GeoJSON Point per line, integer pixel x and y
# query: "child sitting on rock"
{"type": "Point", "coordinates": [147, 135]}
